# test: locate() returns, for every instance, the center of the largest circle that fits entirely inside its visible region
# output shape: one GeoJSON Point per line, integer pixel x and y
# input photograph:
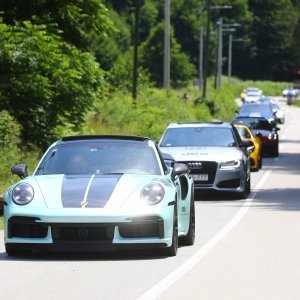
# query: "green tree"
{"type": "Point", "coordinates": [152, 52]}
{"type": "Point", "coordinates": [120, 76]}
{"type": "Point", "coordinates": [106, 47]}
{"type": "Point", "coordinates": [45, 82]}
{"type": "Point", "coordinates": [272, 34]}
{"type": "Point", "coordinates": [74, 18]}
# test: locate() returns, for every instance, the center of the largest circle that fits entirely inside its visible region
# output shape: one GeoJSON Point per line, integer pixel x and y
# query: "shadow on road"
{"type": "Point", "coordinates": [86, 256]}
{"type": "Point", "coordinates": [285, 199]}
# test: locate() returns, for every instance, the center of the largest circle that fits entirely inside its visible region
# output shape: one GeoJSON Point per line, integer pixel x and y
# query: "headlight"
{"type": "Point", "coordinates": [152, 193]}
{"type": "Point", "coordinates": [272, 136]}
{"type": "Point", "coordinates": [232, 164]}
{"type": "Point", "coordinates": [22, 193]}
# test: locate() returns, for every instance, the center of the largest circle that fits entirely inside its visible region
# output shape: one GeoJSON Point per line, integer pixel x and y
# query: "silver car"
{"type": "Point", "coordinates": [217, 157]}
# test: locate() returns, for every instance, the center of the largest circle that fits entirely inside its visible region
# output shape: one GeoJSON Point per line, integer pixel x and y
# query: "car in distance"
{"type": "Point", "coordinates": [261, 108]}
{"type": "Point", "coordinates": [251, 95]}
{"type": "Point", "coordinates": [255, 156]}
{"type": "Point", "coordinates": [216, 155]}
{"type": "Point", "coordinates": [265, 129]}
{"type": "Point", "coordinates": [293, 92]}
{"type": "Point", "coordinates": [100, 193]}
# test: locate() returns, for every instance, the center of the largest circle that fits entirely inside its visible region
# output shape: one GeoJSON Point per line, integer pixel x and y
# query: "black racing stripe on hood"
{"type": "Point", "coordinates": [101, 190]}
{"type": "Point", "coordinates": [73, 190]}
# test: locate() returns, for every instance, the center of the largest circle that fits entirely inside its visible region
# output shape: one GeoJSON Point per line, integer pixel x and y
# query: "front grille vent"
{"type": "Point", "coordinates": [143, 228]}
{"type": "Point", "coordinates": [26, 227]}
{"type": "Point", "coordinates": [82, 232]}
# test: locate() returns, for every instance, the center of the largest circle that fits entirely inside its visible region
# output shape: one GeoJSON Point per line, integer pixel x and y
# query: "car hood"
{"type": "Point", "coordinates": [91, 191]}
{"type": "Point", "coordinates": [218, 154]}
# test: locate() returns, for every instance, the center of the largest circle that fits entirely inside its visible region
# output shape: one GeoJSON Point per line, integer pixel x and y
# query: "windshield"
{"type": "Point", "coordinates": [99, 157]}
{"type": "Point", "coordinates": [256, 123]}
{"type": "Point", "coordinates": [256, 108]}
{"type": "Point", "coordinates": [253, 93]}
{"type": "Point", "coordinates": [198, 136]}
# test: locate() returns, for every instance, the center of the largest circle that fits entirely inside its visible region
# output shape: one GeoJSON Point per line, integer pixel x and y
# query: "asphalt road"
{"type": "Point", "coordinates": [245, 249]}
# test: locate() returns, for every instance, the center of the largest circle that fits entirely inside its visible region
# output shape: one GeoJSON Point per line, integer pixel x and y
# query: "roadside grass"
{"type": "Point", "coordinates": [296, 102]}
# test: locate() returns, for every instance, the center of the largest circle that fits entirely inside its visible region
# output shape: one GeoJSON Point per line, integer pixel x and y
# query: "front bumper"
{"type": "Point", "coordinates": [88, 229]}
{"type": "Point", "coordinates": [225, 180]}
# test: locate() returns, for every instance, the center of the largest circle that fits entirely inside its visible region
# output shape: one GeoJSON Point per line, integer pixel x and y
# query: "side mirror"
{"type": "Point", "coordinates": [258, 134]}
{"type": "Point", "coordinates": [20, 170]}
{"type": "Point", "coordinates": [179, 169]}
{"type": "Point", "coordinates": [277, 128]}
{"type": "Point", "coordinates": [250, 149]}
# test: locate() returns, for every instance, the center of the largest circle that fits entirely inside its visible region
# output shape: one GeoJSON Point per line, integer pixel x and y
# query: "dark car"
{"type": "Point", "coordinates": [255, 109]}
{"type": "Point", "coordinates": [265, 129]}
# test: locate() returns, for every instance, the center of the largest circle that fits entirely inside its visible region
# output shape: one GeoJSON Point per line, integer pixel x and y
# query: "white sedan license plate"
{"type": "Point", "coordinates": [200, 177]}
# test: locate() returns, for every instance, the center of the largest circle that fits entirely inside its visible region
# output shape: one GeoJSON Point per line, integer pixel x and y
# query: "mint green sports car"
{"type": "Point", "coordinates": [100, 193]}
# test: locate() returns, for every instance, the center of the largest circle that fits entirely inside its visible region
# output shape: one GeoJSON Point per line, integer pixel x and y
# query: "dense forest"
{"type": "Point", "coordinates": [60, 57]}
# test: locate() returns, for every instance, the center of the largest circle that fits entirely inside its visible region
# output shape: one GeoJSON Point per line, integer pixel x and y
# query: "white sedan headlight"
{"type": "Point", "coordinates": [22, 193]}
{"type": "Point", "coordinates": [230, 165]}
{"type": "Point", "coordinates": [272, 136]}
{"type": "Point", "coordinates": [152, 193]}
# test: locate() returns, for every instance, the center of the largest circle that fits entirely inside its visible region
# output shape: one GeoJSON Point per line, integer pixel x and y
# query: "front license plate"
{"type": "Point", "coordinates": [200, 177]}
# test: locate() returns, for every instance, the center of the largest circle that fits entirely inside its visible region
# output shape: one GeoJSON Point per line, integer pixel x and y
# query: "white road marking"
{"type": "Point", "coordinates": [168, 281]}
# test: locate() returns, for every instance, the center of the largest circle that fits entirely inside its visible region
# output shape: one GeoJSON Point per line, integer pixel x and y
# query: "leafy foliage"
{"type": "Point", "coordinates": [74, 18]}
{"type": "Point", "coordinates": [120, 75]}
{"type": "Point", "coordinates": [9, 140]}
{"type": "Point", "coordinates": [272, 36]}
{"type": "Point", "coordinates": [44, 81]}
{"type": "Point", "coordinates": [152, 58]}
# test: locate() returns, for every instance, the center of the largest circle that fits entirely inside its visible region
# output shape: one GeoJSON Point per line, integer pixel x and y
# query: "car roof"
{"type": "Point", "coordinates": [257, 103]}
{"type": "Point", "coordinates": [260, 117]}
{"type": "Point", "coordinates": [104, 136]}
{"type": "Point", "coordinates": [200, 124]}
{"type": "Point", "coordinates": [125, 138]}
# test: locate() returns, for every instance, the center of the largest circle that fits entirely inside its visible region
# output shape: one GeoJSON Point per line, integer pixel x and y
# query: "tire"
{"type": "Point", "coordinates": [275, 151]}
{"type": "Point", "coordinates": [13, 250]}
{"type": "Point", "coordinates": [247, 189]}
{"type": "Point", "coordinates": [256, 169]}
{"type": "Point", "coordinates": [189, 239]}
{"type": "Point", "coordinates": [260, 163]}
{"type": "Point", "coordinates": [172, 250]}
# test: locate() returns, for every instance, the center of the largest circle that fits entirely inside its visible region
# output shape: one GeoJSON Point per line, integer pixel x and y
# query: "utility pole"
{"type": "Point", "coordinates": [167, 47]}
{"type": "Point", "coordinates": [219, 54]}
{"type": "Point", "coordinates": [206, 48]}
{"type": "Point", "coordinates": [135, 53]}
{"type": "Point", "coordinates": [201, 60]}
{"type": "Point", "coordinates": [229, 57]}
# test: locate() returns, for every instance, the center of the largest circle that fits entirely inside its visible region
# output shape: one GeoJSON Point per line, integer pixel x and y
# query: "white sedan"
{"type": "Point", "coordinates": [293, 91]}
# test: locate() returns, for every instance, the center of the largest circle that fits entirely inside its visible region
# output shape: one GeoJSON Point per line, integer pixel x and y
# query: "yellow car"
{"type": "Point", "coordinates": [255, 157]}
{"type": "Point", "coordinates": [243, 95]}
